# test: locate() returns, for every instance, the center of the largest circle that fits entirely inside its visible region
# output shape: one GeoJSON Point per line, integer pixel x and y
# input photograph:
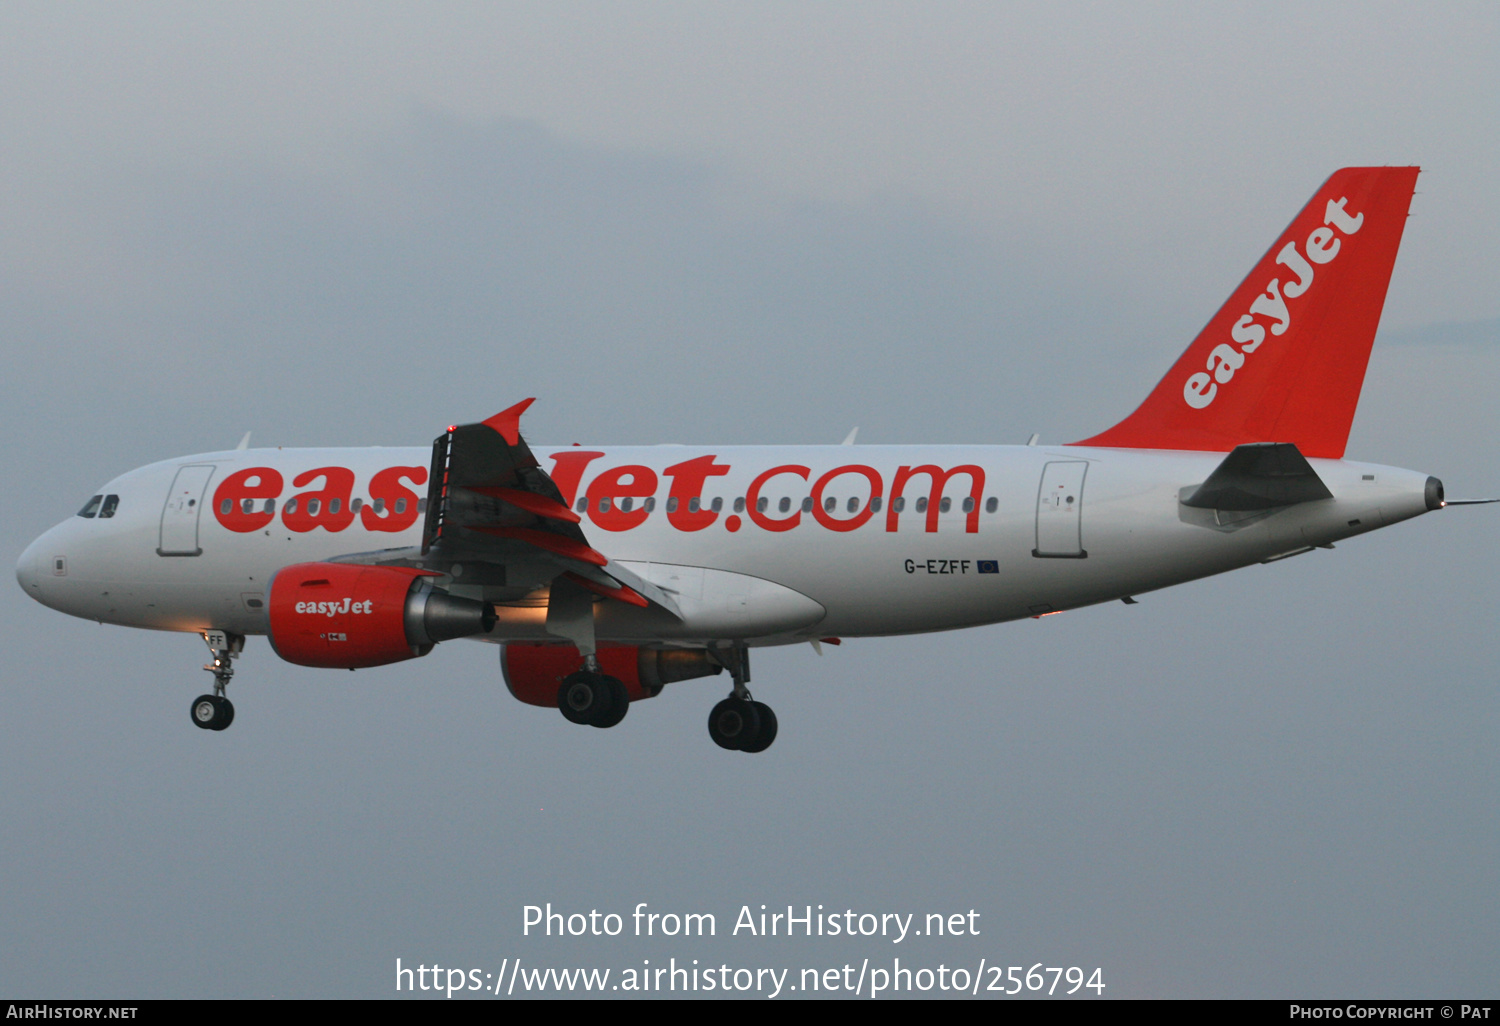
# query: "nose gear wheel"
{"type": "Point", "coordinates": [211, 712]}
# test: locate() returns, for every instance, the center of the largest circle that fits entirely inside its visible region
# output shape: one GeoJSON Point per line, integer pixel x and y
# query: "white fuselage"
{"type": "Point", "coordinates": [1046, 529]}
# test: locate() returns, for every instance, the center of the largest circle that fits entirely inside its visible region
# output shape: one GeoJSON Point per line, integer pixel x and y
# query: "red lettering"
{"type": "Point", "coordinates": [632, 482]}
{"type": "Point", "coordinates": [255, 483]}
{"type": "Point", "coordinates": [328, 507]}
{"type": "Point", "coordinates": [752, 499]}
{"type": "Point", "coordinates": [398, 503]}
{"type": "Point", "coordinates": [687, 484]}
{"type": "Point", "coordinates": [567, 471]}
{"type": "Point", "coordinates": [832, 522]}
{"type": "Point", "coordinates": [939, 478]}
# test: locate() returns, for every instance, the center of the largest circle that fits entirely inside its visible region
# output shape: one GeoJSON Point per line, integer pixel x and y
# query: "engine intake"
{"type": "Point", "coordinates": [337, 615]}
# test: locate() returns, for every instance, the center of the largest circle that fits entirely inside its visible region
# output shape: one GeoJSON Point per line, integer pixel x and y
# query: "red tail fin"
{"type": "Point", "coordinates": [1284, 359]}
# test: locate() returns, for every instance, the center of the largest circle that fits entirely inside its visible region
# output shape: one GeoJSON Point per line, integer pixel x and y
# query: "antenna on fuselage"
{"type": "Point", "coordinates": [849, 438]}
{"type": "Point", "coordinates": [244, 442]}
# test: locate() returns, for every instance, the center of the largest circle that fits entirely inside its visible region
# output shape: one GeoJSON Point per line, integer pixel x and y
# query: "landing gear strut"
{"type": "Point", "coordinates": [739, 723]}
{"type": "Point", "coordinates": [215, 712]}
{"type": "Point", "coordinates": [590, 695]}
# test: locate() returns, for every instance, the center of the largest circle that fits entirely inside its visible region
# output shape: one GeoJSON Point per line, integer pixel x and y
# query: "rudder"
{"type": "Point", "coordinates": [1284, 359]}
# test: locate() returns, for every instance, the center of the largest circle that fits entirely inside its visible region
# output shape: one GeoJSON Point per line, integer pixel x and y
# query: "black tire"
{"type": "Point", "coordinates": [583, 697]}
{"type": "Point", "coordinates": [619, 703]}
{"type": "Point", "coordinates": [226, 708]}
{"type": "Point", "coordinates": [206, 712]}
{"type": "Point", "coordinates": [767, 732]}
{"type": "Point", "coordinates": [733, 723]}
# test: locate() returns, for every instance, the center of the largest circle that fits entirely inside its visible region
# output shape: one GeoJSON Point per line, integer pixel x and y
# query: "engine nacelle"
{"type": "Point", "coordinates": [534, 671]}
{"type": "Point", "coordinates": [337, 615]}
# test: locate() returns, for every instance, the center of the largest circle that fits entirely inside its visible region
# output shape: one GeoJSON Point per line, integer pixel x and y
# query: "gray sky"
{"type": "Point", "coordinates": [355, 224]}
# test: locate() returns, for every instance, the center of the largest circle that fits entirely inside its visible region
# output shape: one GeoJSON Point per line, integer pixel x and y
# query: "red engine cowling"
{"type": "Point", "coordinates": [336, 615]}
{"type": "Point", "coordinates": [534, 671]}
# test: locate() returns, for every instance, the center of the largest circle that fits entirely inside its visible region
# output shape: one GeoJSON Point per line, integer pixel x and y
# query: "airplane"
{"type": "Point", "coordinates": [605, 573]}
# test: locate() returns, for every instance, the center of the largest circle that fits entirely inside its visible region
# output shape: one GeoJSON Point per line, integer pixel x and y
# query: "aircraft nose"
{"type": "Point", "coordinates": [35, 570]}
{"type": "Point", "coordinates": [28, 569]}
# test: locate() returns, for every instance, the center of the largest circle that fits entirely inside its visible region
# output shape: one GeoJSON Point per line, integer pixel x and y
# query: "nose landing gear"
{"type": "Point", "coordinates": [215, 712]}
{"type": "Point", "coordinates": [212, 712]}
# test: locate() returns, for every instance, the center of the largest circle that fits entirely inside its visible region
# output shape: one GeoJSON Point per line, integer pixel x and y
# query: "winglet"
{"type": "Point", "coordinates": [508, 422]}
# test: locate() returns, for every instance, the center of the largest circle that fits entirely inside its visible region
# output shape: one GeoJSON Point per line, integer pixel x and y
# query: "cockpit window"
{"type": "Point", "coordinates": [91, 508]}
{"type": "Point", "coordinates": [111, 503]}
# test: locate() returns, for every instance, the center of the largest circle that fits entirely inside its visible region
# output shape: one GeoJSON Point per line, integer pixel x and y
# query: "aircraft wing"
{"type": "Point", "coordinates": [496, 519]}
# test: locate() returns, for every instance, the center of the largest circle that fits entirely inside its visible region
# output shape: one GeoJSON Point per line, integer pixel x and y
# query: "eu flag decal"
{"type": "Point", "coordinates": [989, 566]}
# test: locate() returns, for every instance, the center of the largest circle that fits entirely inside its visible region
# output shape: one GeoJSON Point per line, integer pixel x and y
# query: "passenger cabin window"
{"type": "Point", "coordinates": [626, 504]}
{"type": "Point", "coordinates": [945, 505]}
{"type": "Point", "coordinates": [379, 505]}
{"type": "Point", "coordinates": [785, 504]}
{"type": "Point", "coordinates": [807, 504]}
{"type": "Point", "coordinates": [313, 505]}
{"type": "Point", "coordinates": [91, 508]}
{"type": "Point", "coordinates": [582, 505]}
{"type": "Point", "coordinates": [739, 504]}
{"type": "Point", "coordinates": [111, 502]}
{"type": "Point", "coordinates": [991, 504]}
{"type": "Point", "coordinates": [830, 504]}
{"type": "Point", "coordinates": [875, 504]}
{"type": "Point", "coordinates": [693, 504]}
{"type": "Point", "coordinates": [968, 504]}
{"type": "Point", "coordinates": [421, 505]}
{"type": "Point", "coordinates": [922, 504]}
{"type": "Point", "coordinates": [716, 505]}
{"type": "Point", "coordinates": [400, 506]}
{"type": "Point", "coordinates": [854, 505]}
{"type": "Point", "coordinates": [671, 504]}
{"type": "Point", "coordinates": [650, 504]}
{"type": "Point", "coordinates": [761, 504]}
{"type": "Point", "coordinates": [291, 506]}
{"type": "Point", "coordinates": [898, 504]}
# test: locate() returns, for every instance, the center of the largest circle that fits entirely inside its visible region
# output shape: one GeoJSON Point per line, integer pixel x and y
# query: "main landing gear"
{"type": "Point", "coordinates": [739, 723]}
{"type": "Point", "coordinates": [591, 697]}
{"type": "Point", "coordinates": [215, 712]}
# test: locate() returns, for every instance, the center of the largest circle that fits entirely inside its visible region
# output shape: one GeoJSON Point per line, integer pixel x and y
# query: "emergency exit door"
{"type": "Point", "coordinates": [1059, 511]}
{"type": "Point", "coordinates": [179, 517]}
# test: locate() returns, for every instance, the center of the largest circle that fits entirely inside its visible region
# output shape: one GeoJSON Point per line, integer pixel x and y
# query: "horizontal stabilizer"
{"type": "Point", "coordinates": [1260, 475]}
